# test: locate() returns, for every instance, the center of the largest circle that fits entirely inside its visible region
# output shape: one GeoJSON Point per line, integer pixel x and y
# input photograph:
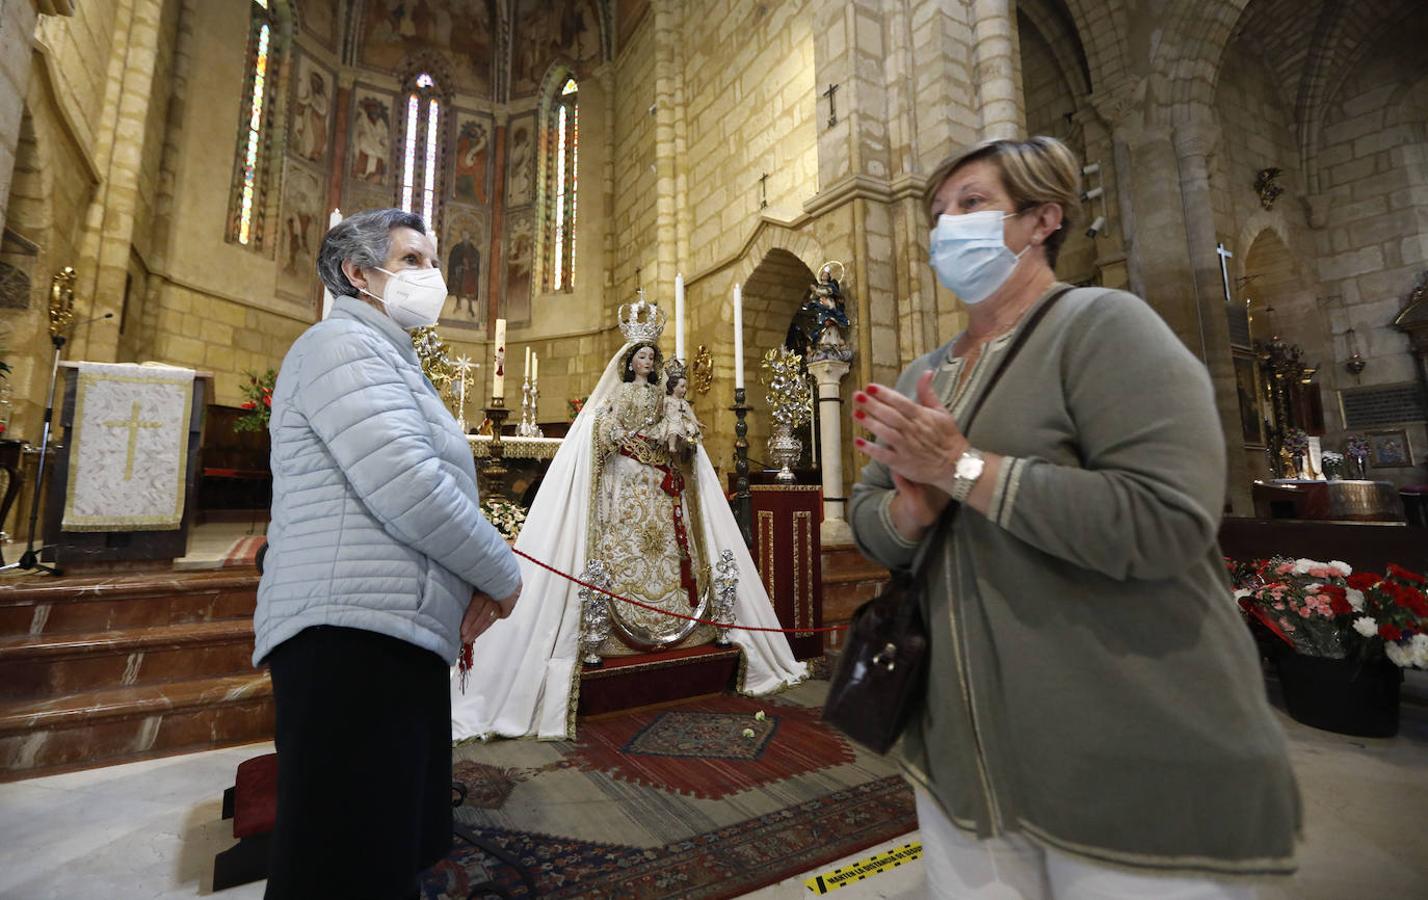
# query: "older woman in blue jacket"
{"type": "Point", "coordinates": [380, 565]}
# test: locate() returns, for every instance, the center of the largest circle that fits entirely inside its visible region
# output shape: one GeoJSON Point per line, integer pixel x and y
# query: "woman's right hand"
{"type": "Point", "coordinates": [916, 506]}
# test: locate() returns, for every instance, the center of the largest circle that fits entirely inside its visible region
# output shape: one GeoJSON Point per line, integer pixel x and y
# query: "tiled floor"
{"type": "Point", "coordinates": [150, 829]}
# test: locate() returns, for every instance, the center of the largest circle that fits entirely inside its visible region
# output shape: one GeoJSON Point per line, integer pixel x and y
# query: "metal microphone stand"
{"type": "Point", "coordinates": [30, 559]}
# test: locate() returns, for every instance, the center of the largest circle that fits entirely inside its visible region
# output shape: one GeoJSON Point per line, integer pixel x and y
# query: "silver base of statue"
{"type": "Point", "coordinates": [594, 611]}
{"type": "Point", "coordinates": [726, 588]}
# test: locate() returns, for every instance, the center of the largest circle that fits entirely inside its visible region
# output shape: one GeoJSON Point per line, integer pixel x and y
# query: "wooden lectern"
{"type": "Point", "coordinates": [80, 552]}
{"type": "Point", "coordinates": [789, 555]}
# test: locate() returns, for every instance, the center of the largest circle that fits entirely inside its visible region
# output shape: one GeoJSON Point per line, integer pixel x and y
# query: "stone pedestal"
{"type": "Point", "coordinates": [828, 373]}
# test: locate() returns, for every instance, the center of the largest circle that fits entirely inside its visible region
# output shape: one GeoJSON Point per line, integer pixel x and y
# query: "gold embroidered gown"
{"type": "Point", "coordinates": [646, 528]}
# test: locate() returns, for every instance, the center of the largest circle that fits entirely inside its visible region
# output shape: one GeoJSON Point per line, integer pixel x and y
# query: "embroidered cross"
{"type": "Point", "coordinates": [134, 424]}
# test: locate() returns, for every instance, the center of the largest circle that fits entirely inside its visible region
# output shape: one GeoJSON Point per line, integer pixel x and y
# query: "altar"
{"type": "Point", "coordinates": [1328, 501]}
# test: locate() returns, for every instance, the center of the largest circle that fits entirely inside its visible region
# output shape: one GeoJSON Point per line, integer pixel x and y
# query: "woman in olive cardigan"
{"type": "Point", "coordinates": [1095, 723]}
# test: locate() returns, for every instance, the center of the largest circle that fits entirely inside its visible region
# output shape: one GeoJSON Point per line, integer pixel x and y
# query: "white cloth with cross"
{"type": "Point", "coordinates": [128, 448]}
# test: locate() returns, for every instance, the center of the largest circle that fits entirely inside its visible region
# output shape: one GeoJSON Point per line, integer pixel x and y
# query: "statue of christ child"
{"type": "Point", "coordinates": [682, 429]}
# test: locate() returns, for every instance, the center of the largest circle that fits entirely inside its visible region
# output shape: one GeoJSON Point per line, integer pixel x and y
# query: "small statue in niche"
{"type": "Point", "coordinates": [820, 328]}
{"type": "Point", "coordinates": [1265, 186]}
{"type": "Point", "coordinates": [681, 428]}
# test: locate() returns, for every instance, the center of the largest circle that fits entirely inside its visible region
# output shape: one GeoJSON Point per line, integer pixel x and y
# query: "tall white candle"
{"type": "Point", "coordinates": [498, 376]}
{"type": "Point", "coordinates": [738, 337]}
{"type": "Point", "coordinates": [679, 317]}
{"type": "Point", "coordinates": [527, 370]}
{"type": "Point", "coordinates": [535, 367]}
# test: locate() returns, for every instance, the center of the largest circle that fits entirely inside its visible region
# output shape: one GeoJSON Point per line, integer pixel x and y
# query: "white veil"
{"type": "Point", "coordinates": [525, 668]}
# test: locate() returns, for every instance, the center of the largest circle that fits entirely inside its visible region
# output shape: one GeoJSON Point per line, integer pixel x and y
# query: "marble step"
{"type": "Point", "coordinates": [42, 605]}
{"type": "Point", "coordinates": [50, 665]}
{"type": "Point", "coordinates": [96, 728]}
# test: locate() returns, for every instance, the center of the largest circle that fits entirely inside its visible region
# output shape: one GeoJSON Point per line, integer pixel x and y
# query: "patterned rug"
{"type": "Point", "coordinates": [712, 798]}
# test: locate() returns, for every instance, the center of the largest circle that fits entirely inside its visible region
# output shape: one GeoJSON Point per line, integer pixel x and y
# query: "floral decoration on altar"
{"type": "Point", "coordinates": [508, 517]}
{"type": "Point", "coordinates": [259, 402]}
{"type": "Point", "coordinates": [1328, 610]}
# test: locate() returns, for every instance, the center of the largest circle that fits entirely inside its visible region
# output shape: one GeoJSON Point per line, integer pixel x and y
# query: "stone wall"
{"type": "Point", "coordinates": [1373, 162]}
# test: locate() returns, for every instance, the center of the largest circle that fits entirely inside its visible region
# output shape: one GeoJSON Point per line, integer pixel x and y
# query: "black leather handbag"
{"type": "Point", "coordinates": [881, 676]}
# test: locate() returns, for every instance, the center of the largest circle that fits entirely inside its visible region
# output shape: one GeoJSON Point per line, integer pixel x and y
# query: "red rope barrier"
{"type": "Point", "coordinates": [553, 570]}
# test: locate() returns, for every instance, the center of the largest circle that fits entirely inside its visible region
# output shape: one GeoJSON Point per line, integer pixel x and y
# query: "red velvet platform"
{"type": "Point", "coordinates": [649, 678]}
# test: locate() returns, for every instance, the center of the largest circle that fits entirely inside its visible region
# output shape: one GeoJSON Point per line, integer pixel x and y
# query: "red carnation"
{"type": "Point", "coordinates": [249, 404]}
{"type": "Point", "coordinates": [1404, 574]}
{"type": "Point", "coordinates": [1362, 581]}
{"type": "Point", "coordinates": [1389, 632]}
{"type": "Point", "coordinates": [268, 401]}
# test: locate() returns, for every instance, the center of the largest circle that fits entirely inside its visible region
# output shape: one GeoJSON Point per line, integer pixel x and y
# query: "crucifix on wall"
{"type": "Point", "coordinates": [831, 94]}
{"type": "Point", "coordinates": [764, 191]}
{"type": "Point", "coordinates": [1225, 256]}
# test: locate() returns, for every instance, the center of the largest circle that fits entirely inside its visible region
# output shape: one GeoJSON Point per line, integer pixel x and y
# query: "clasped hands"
{"type": "Point", "coordinates": [919, 441]}
{"type": "Point", "coordinates": [484, 611]}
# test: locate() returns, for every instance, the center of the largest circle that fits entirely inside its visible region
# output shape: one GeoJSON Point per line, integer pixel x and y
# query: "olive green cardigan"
{"type": "Point", "coordinates": [1091, 684]}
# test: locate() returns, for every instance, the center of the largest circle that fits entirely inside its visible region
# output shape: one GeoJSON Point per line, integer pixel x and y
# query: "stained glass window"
{"type": "Point", "coordinates": [562, 174]}
{"type": "Point", "coordinates": [421, 150]}
{"type": "Point", "coordinates": [250, 172]}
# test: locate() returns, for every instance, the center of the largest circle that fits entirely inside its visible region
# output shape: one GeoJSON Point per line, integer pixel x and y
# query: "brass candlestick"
{"type": "Point", "coordinates": [494, 472]}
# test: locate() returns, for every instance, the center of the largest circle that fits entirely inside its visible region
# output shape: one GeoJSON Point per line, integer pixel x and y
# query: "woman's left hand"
{"type": "Point", "coordinates": [481, 613]}
{"type": "Point", "coordinates": [917, 439]}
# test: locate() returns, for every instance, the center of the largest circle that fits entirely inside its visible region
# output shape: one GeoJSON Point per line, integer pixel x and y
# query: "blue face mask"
{"type": "Point", "coordinates": [970, 255]}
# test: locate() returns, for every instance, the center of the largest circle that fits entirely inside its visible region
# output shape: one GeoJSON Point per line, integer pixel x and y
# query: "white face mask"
{"type": "Point", "coordinates": [970, 255]}
{"type": "Point", "coordinates": [413, 297]}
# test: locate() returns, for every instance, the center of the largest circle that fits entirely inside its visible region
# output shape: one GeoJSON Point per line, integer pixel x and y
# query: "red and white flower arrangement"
{"type": "Point", "coordinates": [259, 402]}
{"type": "Point", "coordinates": [1327, 609]}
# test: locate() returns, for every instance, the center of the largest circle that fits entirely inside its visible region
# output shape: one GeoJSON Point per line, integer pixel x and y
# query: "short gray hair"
{"type": "Point", "coordinates": [365, 238]}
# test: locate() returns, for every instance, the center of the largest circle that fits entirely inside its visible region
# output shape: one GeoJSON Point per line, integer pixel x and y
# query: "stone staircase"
{"type": "Point", "coordinates": [102, 670]}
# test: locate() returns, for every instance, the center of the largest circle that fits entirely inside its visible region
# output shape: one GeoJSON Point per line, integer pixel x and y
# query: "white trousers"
{"type": "Point", "coordinates": [1013, 868]}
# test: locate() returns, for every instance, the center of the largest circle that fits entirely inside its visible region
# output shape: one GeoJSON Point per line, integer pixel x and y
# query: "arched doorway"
{"type": "Point", "coordinates": [772, 295]}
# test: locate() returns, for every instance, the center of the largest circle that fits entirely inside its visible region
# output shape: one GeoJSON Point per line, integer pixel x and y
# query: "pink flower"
{"type": "Point", "coordinates": [1284, 569]}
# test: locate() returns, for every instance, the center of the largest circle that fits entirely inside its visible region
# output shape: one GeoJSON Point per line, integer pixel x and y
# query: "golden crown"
{"type": "Point", "coordinates": [641, 320]}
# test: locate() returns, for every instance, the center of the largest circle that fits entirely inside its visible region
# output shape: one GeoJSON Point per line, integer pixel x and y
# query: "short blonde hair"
{"type": "Point", "coordinates": [1034, 171]}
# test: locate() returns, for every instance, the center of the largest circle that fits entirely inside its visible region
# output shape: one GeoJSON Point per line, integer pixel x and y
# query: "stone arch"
{"type": "Point", "coordinates": [1189, 47]}
{"type": "Point", "coordinates": [1275, 280]}
{"type": "Point", "coordinates": [1050, 19]}
{"type": "Point", "coordinates": [772, 293]}
{"type": "Point", "coordinates": [1105, 39]}
{"type": "Point", "coordinates": [770, 238]}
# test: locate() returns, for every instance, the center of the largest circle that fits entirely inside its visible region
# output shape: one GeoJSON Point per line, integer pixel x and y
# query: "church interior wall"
{"type": "Point", "coordinates": [1051, 107]}
{"type": "Point", "coordinates": [633, 219]}
{"type": "Point", "coordinates": [1373, 247]}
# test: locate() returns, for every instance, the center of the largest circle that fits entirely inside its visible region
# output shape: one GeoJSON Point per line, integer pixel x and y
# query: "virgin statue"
{"type": "Point", "coordinates": [632, 502]}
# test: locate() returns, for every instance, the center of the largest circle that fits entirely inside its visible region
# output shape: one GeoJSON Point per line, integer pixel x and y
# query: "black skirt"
{"type": "Point", "coordinates": [364, 765]}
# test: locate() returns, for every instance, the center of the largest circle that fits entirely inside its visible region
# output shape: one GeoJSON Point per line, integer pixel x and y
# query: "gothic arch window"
{"type": "Point", "coordinates": [248, 202]}
{"type": "Point", "coordinates": [420, 183]}
{"type": "Point", "coordinates": [562, 145]}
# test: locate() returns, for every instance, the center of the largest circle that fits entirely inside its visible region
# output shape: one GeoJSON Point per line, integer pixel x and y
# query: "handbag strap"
{"type": "Point", "coordinates": [945, 520]}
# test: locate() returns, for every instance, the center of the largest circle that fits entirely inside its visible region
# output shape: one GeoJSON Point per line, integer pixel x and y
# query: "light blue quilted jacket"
{"type": "Point", "coordinates": [376, 520]}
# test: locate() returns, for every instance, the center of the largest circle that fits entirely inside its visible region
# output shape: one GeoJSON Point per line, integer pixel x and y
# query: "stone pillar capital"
{"type": "Point", "coordinates": [828, 373]}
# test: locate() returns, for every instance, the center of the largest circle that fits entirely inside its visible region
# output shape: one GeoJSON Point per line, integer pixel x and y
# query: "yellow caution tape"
{"type": "Point", "coordinates": [863, 868]}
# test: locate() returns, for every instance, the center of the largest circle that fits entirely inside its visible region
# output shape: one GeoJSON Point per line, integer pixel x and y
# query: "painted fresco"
{"type": "Point", "coordinates": [551, 30]}
{"type": "Point", "coordinates": [461, 31]}
{"type": "Point", "coordinates": [311, 117]}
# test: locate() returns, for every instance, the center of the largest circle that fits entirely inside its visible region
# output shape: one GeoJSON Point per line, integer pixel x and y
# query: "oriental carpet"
{"type": "Point", "coordinates": [705, 798]}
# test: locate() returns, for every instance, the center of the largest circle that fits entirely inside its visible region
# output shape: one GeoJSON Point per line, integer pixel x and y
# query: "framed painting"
{"type": "Point", "coordinates": [1389, 449]}
{"type": "Point", "coordinates": [1247, 386]}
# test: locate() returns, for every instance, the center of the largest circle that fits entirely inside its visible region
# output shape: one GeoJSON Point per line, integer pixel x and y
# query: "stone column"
{"type": "Point", "coordinates": [828, 374]}
{"type": "Point", "coordinates": [110, 225]}
{"type": "Point", "coordinates": [1194, 144]}
{"type": "Point", "coordinates": [997, 72]}
{"type": "Point", "coordinates": [17, 26]}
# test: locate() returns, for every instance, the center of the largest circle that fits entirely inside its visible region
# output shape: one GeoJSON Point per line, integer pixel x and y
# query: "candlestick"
{"type": "Point", "coordinates": [463, 372]}
{"type": "Point", "coordinates": [498, 377]}
{"type": "Point", "coordinates": [738, 338]}
{"type": "Point", "coordinates": [679, 317]}
{"type": "Point", "coordinates": [743, 500]}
